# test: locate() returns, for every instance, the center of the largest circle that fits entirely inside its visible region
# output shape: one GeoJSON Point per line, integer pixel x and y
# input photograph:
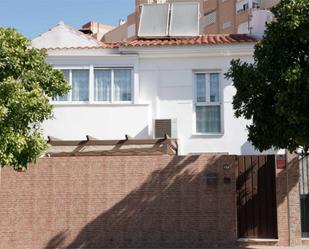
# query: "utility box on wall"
{"type": "Point", "coordinates": [281, 161]}
{"type": "Point", "coordinates": [164, 127]}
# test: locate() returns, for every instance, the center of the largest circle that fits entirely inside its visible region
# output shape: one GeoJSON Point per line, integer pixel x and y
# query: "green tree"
{"type": "Point", "coordinates": [26, 85]}
{"type": "Point", "coordinates": [273, 91]}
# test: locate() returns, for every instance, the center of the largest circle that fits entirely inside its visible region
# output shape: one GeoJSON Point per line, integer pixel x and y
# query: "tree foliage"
{"type": "Point", "coordinates": [273, 91]}
{"type": "Point", "coordinates": [26, 85]}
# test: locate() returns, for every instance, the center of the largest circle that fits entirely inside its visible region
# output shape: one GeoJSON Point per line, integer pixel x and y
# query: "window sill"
{"type": "Point", "coordinates": [207, 135]}
{"type": "Point", "coordinates": [239, 12]}
{"type": "Point", "coordinates": [87, 104]}
{"type": "Point", "coordinates": [257, 240]}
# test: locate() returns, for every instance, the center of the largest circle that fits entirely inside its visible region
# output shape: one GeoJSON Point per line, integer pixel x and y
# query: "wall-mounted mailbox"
{"type": "Point", "coordinates": [212, 179]}
{"type": "Point", "coordinates": [281, 161]}
{"type": "Point", "coordinates": [227, 180]}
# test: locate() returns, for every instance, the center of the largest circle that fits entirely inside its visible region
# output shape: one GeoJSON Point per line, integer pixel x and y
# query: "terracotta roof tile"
{"type": "Point", "coordinates": [198, 40]}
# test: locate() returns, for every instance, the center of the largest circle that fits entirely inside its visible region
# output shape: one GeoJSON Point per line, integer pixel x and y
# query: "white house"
{"type": "Point", "coordinates": [125, 88]}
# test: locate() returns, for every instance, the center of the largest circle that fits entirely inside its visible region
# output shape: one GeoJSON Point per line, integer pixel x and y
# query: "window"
{"type": "Point", "coordinates": [79, 82]}
{"type": "Point", "coordinates": [80, 85]}
{"type": "Point", "coordinates": [242, 6]}
{"type": "Point", "coordinates": [208, 105]}
{"type": "Point", "coordinates": [243, 28]}
{"type": "Point", "coordinates": [113, 85]}
{"type": "Point", "coordinates": [210, 18]}
{"type": "Point", "coordinates": [66, 74]}
{"type": "Point", "coordinates": [226, 25]}
{"type": "Point", "coordinates": [245, 7]}
{"type": "Point", "coordinates": [256, 4]}
{"type": "Point", "coordinates": [109, 85]}
{"type": "Point", "coordinates": [102, 85]}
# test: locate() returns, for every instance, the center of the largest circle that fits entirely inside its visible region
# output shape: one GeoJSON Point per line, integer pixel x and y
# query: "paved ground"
{"type": "Point", "coordinates": [272, 247]}
{"type": "Point", "coordinates": [250, 247]}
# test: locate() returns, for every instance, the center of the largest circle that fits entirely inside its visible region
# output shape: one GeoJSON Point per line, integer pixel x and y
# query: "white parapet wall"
{"type": "Point", "coordinates": [74, 122]}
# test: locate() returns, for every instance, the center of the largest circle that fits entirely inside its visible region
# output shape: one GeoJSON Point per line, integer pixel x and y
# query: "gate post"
{"type": "Point", "coordinates": [288, 203]}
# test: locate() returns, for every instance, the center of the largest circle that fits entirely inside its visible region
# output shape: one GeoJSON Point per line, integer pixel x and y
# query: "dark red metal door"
{"type": "Point", "coordinates": [256, 197]}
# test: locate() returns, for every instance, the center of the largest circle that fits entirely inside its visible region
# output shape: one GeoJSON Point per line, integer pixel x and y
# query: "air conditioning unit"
{"type": "Point", "coordinates": [164, 127]}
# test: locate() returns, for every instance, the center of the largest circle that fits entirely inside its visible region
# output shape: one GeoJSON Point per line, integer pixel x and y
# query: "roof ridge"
{"type": "Point", "coordinates": [72, 29]}
{"type": "Point", "coordinates": [80, 33]}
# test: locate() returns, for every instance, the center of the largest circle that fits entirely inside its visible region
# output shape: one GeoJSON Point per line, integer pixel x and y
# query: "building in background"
{"type": "Point", "coordinates": [96, 30]}
{"type": "Point", "coordinates": [216, 16]}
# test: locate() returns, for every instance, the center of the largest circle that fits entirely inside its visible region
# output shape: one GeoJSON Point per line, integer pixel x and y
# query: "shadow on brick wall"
{"type": "Point", "coordinates": [173, 208]}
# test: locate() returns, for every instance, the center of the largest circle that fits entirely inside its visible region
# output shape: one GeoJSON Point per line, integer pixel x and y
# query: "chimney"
{"type": "Point", "coordinates": [96, 29]}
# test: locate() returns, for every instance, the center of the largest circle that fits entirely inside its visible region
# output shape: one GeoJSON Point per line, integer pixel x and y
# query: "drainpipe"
{"type": "Point", "coordinates": [288, 195]}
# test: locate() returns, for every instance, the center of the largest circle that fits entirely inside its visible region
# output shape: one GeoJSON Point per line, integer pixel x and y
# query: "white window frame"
{"type": "Point", "coordinates": [112, 101]}
{"type": "Point", "coordinates": [208, 103]}
{"type": "Point", "coordinates": [91, 89]}
{"type": "Point", "coordinates": [70, 101]}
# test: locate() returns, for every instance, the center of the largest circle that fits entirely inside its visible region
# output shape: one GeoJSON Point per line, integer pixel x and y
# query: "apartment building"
{"type": "Point", "coordinates": [216, 16]}
{"type": "Point", "coordinates": [234, 16]}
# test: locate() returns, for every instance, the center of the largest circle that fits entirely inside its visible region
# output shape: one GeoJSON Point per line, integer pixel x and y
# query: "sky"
{"type": "Point", "coordinates": [33, 17]}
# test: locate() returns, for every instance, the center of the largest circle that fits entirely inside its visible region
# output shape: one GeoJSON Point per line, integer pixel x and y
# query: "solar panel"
{"type": "Point", "coordinates": [154, 20]}
{"type": "Point", "coordinates": [184, 19]}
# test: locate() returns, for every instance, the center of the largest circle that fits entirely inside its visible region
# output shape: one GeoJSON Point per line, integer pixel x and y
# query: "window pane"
{"type": "Point", "coordinates": [102, 85]}
{"type": "Point", "coordinates": [214, 87]}
{"type": "Point", "coordinates": [200, 87]}
{"type": "Point", "coordinates": [80, 85]}
{"type": "Point", "coordinates": [122, 85]}
{"type": "Point", "coordinates": [208, 119]}
{"type": "Point", "coordinates": [66, 74]}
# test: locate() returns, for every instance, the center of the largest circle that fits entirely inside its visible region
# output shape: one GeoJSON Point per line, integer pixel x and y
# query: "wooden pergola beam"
{"type": "Point", "coordinates": [165, 145]}
{"type": "Point", "coordinates": [90, 138]}
{"type": "Point", "coordinates": [127, 152]}
{"type": "Point", "coordinates": [105, 142]}
{"type": "Point", "coordinates": [52, 139]}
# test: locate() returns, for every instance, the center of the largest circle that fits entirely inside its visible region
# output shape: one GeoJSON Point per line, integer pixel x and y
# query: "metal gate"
{"type": "Point", "coordinates": [304, 194]}
{"type": "Point", "coordinates": [256, 202]}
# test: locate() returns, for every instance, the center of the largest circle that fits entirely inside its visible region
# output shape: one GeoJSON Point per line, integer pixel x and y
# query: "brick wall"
{"type": "Point", "coordinates": [145, 201]}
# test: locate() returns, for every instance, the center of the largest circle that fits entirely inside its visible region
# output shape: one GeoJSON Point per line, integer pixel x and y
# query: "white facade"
{"type": "Point", "coordinates": [163, 87]}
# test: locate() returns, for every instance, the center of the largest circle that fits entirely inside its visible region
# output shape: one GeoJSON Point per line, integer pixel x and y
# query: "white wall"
{"type": "Point", "coordinates": [74, 122]}
{"type": "Point", "coordinates": [164, 89]}
{"type": "Point", "coordinates": [172, 81]}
